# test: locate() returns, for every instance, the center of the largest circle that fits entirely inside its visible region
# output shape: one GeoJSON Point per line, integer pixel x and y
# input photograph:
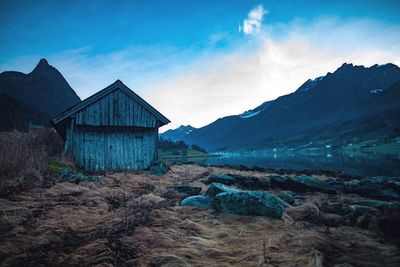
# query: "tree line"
{"type": "Point", "coordinates": [178, 145]}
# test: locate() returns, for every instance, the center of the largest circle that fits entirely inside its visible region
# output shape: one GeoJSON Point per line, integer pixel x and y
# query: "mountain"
{"type": "Point", "coordinates": [354, 102]}
{"type": "Point", "coordinates": [33, 98]}
{"type": "Point", "coordinates": [177, 134]}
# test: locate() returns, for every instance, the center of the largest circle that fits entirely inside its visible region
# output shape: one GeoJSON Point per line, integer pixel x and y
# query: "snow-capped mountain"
{"type": "Point", "coordinates": [351, 102]}
{"type": "Point", "coordinates": [178, 134]}
{"type": "Point", "coordinates": [310, 84]}
{"type": "Point", "coordinates": [254, 112]}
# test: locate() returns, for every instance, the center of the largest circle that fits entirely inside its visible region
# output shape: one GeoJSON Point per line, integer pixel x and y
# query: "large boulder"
{"type": "Point", "coordinates": [221, 178]}
{"type": "Point", "coordinates": [286, 196]}
{"type": "Point", "coordinates": [216, 188]}
{"type": "Point", "coordinates": [308, 183]}
{"type": "Point", "coordinates": [367, 188]}
{"type": "Point", "coordinates": [251, 182]}
{"type": "Point", "coordinates": [387, 182]}
{"type": "Point", "coordinates": [277, 181]}
{"type": "Point", "coordinates": [249, 203]}
{"type": "Point", "coordinates": [379, 204]}
{"type": "Point", "coordinates": [305, 212]}
{"type": "Point", "coordinates": [302, 183]}
{"type": "Point", "coordinates": [200, 201]}
{"type": "Point", "coordinates": [242, 181]}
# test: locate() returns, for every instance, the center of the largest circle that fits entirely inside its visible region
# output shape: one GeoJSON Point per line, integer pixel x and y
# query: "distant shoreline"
{"type": "Point", "coordinates": [188, 157]}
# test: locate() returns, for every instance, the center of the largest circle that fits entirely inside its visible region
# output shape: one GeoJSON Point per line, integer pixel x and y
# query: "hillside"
{"type": "Point", "coordinates": [33, 98]}
{"type": "Point", "coordinates": [178, 134]}
{"type": "Point", "coordinates": [352, 103]}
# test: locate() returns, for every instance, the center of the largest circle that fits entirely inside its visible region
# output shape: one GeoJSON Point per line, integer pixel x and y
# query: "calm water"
{"type": "Point", "coordinates": [360, 164]}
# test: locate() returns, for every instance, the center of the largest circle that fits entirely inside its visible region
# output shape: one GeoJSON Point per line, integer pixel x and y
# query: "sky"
{"type": "Point", "coordinates": [197, 61]}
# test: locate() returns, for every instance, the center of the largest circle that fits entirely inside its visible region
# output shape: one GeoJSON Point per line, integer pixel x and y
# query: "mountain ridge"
{"type": "Point", "coordinates": [344, 96]}
{"type": "Point", "coordinates": [37, 96]}
{"type": "Point", "coordinates": [178, 133]}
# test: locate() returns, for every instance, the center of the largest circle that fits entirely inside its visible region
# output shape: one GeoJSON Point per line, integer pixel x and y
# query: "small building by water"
{"type": "Point", "coordinates": [112, 130]}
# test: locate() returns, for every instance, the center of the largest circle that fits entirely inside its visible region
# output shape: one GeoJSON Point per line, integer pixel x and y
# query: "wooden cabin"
{"type": "Point", "coordinates": [112, 130]}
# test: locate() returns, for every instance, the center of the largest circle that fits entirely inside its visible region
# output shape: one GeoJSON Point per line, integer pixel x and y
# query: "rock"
{"type": "Point", "coordinates": [334, 184]}
{"type": "Point", "coordinates": [221, 178]}
{"type": "Point", "coordinates": [379, 187]}
{"type": "Point", "coordinates": [357, 210]}
{"type": "Point", "coordinates": [374, 203]}
{"type": "Point", "coordinates": [302, 183]}
{"type": "Point", "coordinates": [308, 183]}
{"type": "Point", "coordinates": [370, 190]}
{"type": "Point", "coordinates": [277, 180]}
{"type": "Point", "coordinates": [286, 196]}
{"type": "Point", "coordinates": [360, 216]}
{"type": "Point", "coordinates": [380, 179]}
{"type": "Point", "coordinates": [216, 188]}
{"type": "Point", "coordinates": [251, 182]}
{"type": "Point", "coordinates": [305, 212]}
{"type": "Point", "coordinates": [264, 182]}
{"type": "Point", "coordinates": [394, 185]}
{"type": "Point", "coordinates": [249, 203]}
{"type": "Point", "coordinates": [352, 183]}
{"type": "Point", "coordinates": [204, 202]}
{"type": "Point", "coordinates": [186, 189]}
{"type": "Point", "coordinates": [243, 181]}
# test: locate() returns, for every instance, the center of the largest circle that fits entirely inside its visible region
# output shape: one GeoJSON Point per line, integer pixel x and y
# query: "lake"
{"type": "Point", "coordinates": [362, 164]}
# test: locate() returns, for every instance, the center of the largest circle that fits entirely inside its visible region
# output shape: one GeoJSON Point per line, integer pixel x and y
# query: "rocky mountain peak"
{"type": "Point", "coordinates": [42, 66]}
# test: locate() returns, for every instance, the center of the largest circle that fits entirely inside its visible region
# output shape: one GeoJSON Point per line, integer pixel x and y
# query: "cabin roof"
{"type": "Point", "coordinates": [117, 84]}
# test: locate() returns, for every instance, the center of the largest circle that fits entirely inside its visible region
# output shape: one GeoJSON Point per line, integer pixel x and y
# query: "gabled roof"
{"type": "Point", "coordinates": [117, 84]}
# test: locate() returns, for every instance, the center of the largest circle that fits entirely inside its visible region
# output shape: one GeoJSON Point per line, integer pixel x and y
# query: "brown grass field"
{"type": "Point", "coordinates": [135, 219]}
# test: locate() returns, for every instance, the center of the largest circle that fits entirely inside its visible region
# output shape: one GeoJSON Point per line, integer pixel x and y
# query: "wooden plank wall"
{"type": "Point", "coordinates": [105, 148]}
{"type": "Point", "coordinates": [116, 109]}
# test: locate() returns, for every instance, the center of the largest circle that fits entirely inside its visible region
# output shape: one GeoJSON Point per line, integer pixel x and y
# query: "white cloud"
{"type": "Point", "coordinates": [233, 82]}
{"type": "Point", "coordinates": [196, 88]}
{"type": "Point", "coordinates": [252, 24]}
{"type": "Point", "coordinates": [86, 73]}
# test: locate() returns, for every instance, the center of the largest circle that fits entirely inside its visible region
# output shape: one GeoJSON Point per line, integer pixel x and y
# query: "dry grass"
{"type": "Point", "coordinates": [133, 219]}
{"type": "Point", "coordinates": [21, 162]}
{"type": "Point", "coordinates": [24, 158]}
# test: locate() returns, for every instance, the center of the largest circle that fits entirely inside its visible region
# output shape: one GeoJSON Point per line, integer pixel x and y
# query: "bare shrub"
{"type": "Point", "coordinates": [49, 140]}
{"type": "Point", "coordinates": [138, 212]}
{"type": "Point", "coordinates": [23, 161]}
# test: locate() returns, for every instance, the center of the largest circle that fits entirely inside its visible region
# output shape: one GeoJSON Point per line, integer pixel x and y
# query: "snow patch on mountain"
{"type": "Point", "coordinates": [310, 84]}
{"type": "Point", "coordinates": [246, 115]}
{"type": "Point", "coordinates": [376, 91]}
{"type": "Point", "coordinates": [254, 112]}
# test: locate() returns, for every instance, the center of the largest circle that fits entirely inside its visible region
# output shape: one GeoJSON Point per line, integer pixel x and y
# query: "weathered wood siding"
{"type": "Point", "coordinates": [116, 109]}
{"type": "Point", "coordinates": [113, 133]}
{"type": "Point", "coordinates": [100, 148]}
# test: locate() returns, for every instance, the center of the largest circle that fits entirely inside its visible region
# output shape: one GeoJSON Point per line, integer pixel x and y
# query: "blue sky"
{"type": "Point", "coordinates": [197, 61]}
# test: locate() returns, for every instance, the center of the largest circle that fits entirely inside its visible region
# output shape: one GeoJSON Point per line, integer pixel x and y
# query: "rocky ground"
{"type": "Point", "coordinates": [135, 219]}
